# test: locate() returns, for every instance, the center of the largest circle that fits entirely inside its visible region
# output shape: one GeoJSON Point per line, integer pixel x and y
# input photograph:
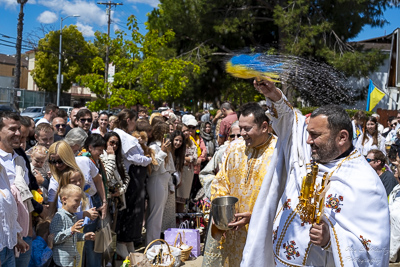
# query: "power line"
{"type": "Point", "coordinates": [6, 41]}
{"type": "Point", "coordinates": [10, 37]}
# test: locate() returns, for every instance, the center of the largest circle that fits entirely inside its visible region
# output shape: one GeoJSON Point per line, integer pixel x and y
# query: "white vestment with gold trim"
{"type": "Point", "coordinates": [356, 207]}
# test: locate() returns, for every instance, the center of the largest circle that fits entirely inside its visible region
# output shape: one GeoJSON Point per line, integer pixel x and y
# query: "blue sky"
{"type": "Point", "coordinates": [93, 17]}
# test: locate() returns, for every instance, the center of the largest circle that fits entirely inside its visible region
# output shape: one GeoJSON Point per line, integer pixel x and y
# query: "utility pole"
{"type": "Point", "coordinates": [18, 48]}
{"type": "Point", "coordinates": [109, 4]}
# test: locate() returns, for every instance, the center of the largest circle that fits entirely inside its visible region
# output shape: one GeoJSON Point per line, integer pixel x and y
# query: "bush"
{"type": "Point", "coordinates": [351, 112]}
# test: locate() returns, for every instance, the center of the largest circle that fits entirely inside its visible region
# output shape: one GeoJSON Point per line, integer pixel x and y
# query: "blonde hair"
{"type": "Point", "coordinates": [154, 115]}
{"type": "Point", "coordinates": [69, 189]}
{"type": "Point", "coordinates": [65, 177]}
{"type": "Point", "coordinates": [64, 151]}
{"type": "Point", "coordinates": [112, 118]}
{"type": "Point", "coordinates": [39, 151]}
{"type": "Point", "coordinates": [64, 181]}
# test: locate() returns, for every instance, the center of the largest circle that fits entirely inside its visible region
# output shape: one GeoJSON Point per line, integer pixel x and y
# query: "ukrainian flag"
{"type": "Point", "coordinates": [374, 96]}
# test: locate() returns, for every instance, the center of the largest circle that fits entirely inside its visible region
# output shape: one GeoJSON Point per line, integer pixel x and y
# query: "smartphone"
{"type": "Point", "coordinates": [166, 136]}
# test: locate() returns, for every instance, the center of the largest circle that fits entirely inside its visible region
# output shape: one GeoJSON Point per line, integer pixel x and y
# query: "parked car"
{"type": "Point", "coordinates": [34, 112]}
{"type": "Point", "coordinates": [7, 108]}
{"type": "Point", "coordinates": [68, 109]}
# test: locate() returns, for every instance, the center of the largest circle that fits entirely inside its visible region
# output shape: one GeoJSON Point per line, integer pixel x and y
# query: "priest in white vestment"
{"type": "Point", "coordinates": [355, 229]}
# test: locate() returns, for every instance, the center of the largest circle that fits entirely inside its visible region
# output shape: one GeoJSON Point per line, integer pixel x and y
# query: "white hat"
{"type": "Point", "coordinates": [189, 120]}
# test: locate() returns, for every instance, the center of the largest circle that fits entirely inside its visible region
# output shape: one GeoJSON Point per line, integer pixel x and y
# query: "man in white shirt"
{"type": "Point", "coordinates": [10, 137]}
{"type": "Point", "coordinates": [49, 114]}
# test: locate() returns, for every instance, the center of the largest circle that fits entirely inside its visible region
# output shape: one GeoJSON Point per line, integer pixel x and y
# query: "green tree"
{"type": "Point", "coordinates": [146, 70]}
{"type": "Point", "coordinates": [76, 58]}
{"type": "Point", "coordinates": [210, 31]}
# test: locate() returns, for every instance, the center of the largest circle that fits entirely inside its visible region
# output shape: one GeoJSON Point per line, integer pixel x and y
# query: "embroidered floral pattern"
{"type": "Point", "coordinates": [365, 242]}
{"type": "Point", "coordinates": [291, 252]}
{"type": "Point", "coordinates": [333, 202]}
{"type": "Point", "coordinates": [286, 205]}
{"type": "Point", "coordinates": [275, 234]}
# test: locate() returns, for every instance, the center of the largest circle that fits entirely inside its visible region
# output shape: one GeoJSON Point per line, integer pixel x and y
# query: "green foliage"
{"type": "Point", "coordinates": [351, 112]}
{"type": "Point", "coordinates": [76, 58]}
{"type": "Point", "coordinates": [208, 32]}
{"type": "Point", "coordinates": [320, 30]}
{"type": "Point", "coordinates": [145, 70]}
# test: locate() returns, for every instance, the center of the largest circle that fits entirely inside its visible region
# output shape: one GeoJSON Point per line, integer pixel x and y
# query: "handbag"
{"type": "Point", "coordinates": [191, 237]}
{"type": "Point", "coordinates": [103, 238]}
{"type": "Point", "coordinates": [138, 260]}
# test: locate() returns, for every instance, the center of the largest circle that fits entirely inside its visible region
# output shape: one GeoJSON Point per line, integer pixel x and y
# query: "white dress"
{"type": "Point", "coordinates": [368, 144]}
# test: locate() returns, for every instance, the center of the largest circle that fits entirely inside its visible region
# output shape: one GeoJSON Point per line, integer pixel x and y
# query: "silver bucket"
{"type": "Point", "coordinates": [223, 210]}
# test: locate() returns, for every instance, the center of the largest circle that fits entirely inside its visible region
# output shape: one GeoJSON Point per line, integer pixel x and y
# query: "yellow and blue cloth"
{"type": "Point", "coordinates": [374, 96]}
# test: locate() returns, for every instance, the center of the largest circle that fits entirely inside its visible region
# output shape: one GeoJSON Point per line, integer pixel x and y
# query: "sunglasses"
{"type": "Point", "coordinates": [394, 124]}
{"type": "Point", "coordinates": [54, 162]}
{"type": "Point", "coordinates": [114, 143]}
{"type": "Point", "coordinates": [234, 135]}
{"type": "Point", "coordinates": [370, 160]}
{"type": "Point", "coordinates": [86, 120]}
{"type": "Point", "coordinates": [61, 125]}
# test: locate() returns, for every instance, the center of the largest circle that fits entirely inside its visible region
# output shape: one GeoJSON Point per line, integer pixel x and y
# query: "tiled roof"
{"type": "Point", "coordinates": [10, 60]}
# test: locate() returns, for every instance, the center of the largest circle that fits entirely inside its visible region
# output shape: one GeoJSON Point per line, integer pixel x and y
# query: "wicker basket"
{"type": "Point", "coordinates": [185, 252]}
{"type": "Point", "coordinates": [169, 252]}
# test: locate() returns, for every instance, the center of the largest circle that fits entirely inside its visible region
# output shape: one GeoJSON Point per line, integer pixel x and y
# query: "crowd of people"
{"type": "Point", "coordinates": [64, 177]}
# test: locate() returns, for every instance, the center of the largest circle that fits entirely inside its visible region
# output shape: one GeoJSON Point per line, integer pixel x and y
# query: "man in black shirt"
{"type": "Point", "coordinates": [377, 160]}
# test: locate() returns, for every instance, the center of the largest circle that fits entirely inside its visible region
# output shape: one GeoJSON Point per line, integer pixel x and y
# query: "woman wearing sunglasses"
{"type": "Point", "coordinates": [371, 138]}
{"type": "Point", "coordinates": [208, 173]}
{"type": "Point", "coordinates": [61, 161]}
{"type": "Point", "coordinates": [191, 152]}
{"type": "Point", "coordinates": [118, 181]}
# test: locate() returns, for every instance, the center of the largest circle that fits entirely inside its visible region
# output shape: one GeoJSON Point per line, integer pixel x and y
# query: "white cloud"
{"type": "Point", "coordinates": [12, 4]}
{"type": "Point", "coordinates": [56, 5]}
{"type": "Point", "coordinates": [88, 12]}
{"type": "Point", "coordinates": [153, 3]}
{"type": "Point", "coordinates": [47, 17]}
{"type": "Point", "coordinates": [86, 30]}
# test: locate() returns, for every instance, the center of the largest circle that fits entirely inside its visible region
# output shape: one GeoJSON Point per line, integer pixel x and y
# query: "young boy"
{"type": "Point", "coordinates": [65, 227]}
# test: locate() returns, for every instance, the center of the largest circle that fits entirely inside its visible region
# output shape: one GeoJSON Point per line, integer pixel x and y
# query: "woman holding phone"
{"type": "Point", "coordinates": [157, 184]}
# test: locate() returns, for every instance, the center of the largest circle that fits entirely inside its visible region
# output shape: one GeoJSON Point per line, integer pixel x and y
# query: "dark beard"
{"type": "Point", "coordinates": [327, 152]}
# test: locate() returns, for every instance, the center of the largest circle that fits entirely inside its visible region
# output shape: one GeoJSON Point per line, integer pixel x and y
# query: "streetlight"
{"type": "Point", "coordinates": [59, 60]}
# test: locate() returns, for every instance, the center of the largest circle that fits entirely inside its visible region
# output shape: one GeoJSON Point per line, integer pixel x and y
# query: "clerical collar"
{"type": "Point", "coordinates": [346, 153]}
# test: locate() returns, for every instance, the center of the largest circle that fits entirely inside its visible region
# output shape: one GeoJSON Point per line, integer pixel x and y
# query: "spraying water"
{"type": "Point", "coordinates": [316, 82]}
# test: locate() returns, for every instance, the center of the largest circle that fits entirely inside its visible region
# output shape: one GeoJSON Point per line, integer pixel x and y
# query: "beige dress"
{"type": "Point", "coordinates": [183, 191]}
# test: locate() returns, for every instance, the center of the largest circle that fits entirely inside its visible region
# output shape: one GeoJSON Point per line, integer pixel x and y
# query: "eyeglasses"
{"type": "Point", "coordinates": [369, 160]}
{"type": "Point", "coordinates": [54, 162]}
{"type": "Point", "coordinates": [234, 135]}
{"type": "Point", "coordinates": [114, 143]}
{"type": "Point", "coordinates": [86, 120]}
{"type": "Point", "coordinates": [61, 125]}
